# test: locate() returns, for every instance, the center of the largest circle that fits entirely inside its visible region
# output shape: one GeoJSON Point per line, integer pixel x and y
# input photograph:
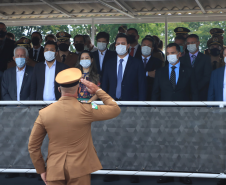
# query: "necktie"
{"type": "Point", "coordinates": [35, 56]}
{"type": "Point", "coordinates": [193, 61]}
{"type": "Point", "coordinates": [64, 57]}
{"type": "Point", "coordinates": [119, 80]}
{"type": "Point", "coordinates": [132, 52]}
{"type": "Point", "coordinates": [214, 65]}
{"type": "Point", "coordinates": [173, 77]}
{"type": "Point", "coordinates": [145, 62]}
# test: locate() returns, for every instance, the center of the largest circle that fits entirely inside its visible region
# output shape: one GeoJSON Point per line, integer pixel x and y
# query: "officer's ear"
{"type": "Point", "coordinates": [59, 89]}
{"type": "Point", "coordinates": [57, 52]}
{"type": "Point", "coordinates": [14, 58]}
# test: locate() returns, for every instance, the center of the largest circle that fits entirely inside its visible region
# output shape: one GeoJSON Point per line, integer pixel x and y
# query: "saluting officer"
{"type": "Point", "coordinates": [71, 153]}
{"type": "Point", "coordinates": [65, 56]}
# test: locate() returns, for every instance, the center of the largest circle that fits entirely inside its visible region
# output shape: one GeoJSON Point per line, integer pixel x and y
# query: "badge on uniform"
{"type": "Point", "coordinates": [94, 105]}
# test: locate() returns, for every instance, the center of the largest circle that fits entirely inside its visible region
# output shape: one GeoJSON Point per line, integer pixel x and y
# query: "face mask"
{"type": "Point", "coordinates": [132, 38]}
{"type": "Point", "coordinates": [2, 34]}
{"type": "Point", "coordinates": [215, 52]}
{"type": "Point", "coordinates": [20, 62]}
{"type": "Point", "coordinates": [35, 41]}
{"type": "Point", "coordinates": [63, 47]}
{"type": "Point", "coordinates": [79, 47]}
{"type": "Point", "coordinates": [101, 46]}
{"type": "Point", "coordinates": [181, 49]}
{"type": "Point", "coordinates": [146, 50]}
{"type": "Point", "coordinates": [86, 48]}
{"type": "Point", "coordinates": [121, 49]}
{"type": "Point", "coordinates": [191, 48]}
{"type": "Point", "coordinates": [85, 63]}
{"type": "Point", "coordinates": [172, 59]}
{"type": "Point", "coordinates": [49, 55]}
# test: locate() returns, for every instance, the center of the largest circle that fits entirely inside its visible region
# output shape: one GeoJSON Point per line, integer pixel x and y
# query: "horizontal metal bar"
{"type": "Point", "coordinates": [137, 173]}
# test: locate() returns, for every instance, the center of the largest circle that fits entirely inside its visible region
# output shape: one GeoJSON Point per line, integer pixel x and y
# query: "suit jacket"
{"type": "Point", "coordinates": [41, 57]}
{"type": "Point", "coordinates": [9, 84]}
{"type": "Point", "coordinates": [185, 90]}
{"type": "Point", "coordinates": [138, 52]}
{"type": "Point", "coordinates": [202, 70]}
{"type": "Point", "coordinates": [133, 87]}
{"type": "Point", "coordinates": [70, 60]}
{"type": "Point", "coordinates": [38, 80]}
{"type": "Point", "coordinates": [108, 56]}
{"type": "Point", "coordinates": [216, 86]}
{"type": "Point", "coordinates": [6, 54]}
{"type": "Point", "coordinates": [68, 125]}
{"type": "Point", "coordinates": [152, 64]}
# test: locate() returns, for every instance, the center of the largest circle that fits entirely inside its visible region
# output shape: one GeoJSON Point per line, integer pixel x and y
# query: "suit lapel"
{"type": "Point", "coordinates": [128, 65]}
{"type": "Point", "coordinates": [42, 77]}
{"type": "Point", "coordinates": [25, 78]}
{"type": "Point", "coordinates": [197, 59]}
{"type": "Point", "coordinates": [181, 77]}
{"type": "Point", "coordinates": [221, 82]}
{"type": "Point", "coordinates": [14, 81]}
{"type": "Point", "coordinates": [165, 76]}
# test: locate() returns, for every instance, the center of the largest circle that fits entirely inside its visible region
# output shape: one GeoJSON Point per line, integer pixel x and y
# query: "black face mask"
{"type": "Point", "coordinates": [2, 34]}
{"type": "Point", "coordinates": [215, 52]}
{"type": "Point", "coordinates": [35, 41]}
{"type": "Point", "coordinates": [132, 38]}
{"type": "Point", "coordinates": [63, 47]}
{"type": "Point", "coordinates": [79, 47]}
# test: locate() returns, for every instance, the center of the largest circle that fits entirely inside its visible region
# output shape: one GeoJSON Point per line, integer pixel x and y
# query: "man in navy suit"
{"type": "Point", "coordinates": [124, 76]}
{"type": "Point", "coordinates": [43, 84]}
{"type": "Point", "coordinates": [217, 87]}
{"type": "Point", "coordinates": [102, 55]}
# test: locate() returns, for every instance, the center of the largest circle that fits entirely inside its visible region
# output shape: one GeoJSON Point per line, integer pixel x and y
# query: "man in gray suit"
{"type": "Point", "coordinates": [16, 81]}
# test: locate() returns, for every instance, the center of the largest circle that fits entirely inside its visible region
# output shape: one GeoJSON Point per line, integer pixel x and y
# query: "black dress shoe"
{"type": "Point", "coordinates": [111, 178]}
{"type": "Point", "coordinates": [221, 182]}
{"type": "Point", "coordinates": [11, 175]}
{"type": "Point", "coordinates": [185, 180]}
{"type": "Point", "coordinates": [30, 175]}
{"type": "Point", "coordinates": [134, 179]}
{"type": "Point", "coordinates": [165, 179]}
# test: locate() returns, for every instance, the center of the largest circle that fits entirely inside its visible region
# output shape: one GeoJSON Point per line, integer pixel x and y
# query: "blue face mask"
{"type": "Point", "coordinates": [20, 62]}
{"type": "Point", "coordinates": [181, 49]}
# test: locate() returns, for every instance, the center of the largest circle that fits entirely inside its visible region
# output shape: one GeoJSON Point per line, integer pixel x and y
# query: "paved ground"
{"type": "Point", "coordinates": [98, 180]}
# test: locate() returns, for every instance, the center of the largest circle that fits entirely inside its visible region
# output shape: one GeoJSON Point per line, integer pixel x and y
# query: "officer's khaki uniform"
{"type": "Point", "coordinates": [70, 60]}
{"type": "Point", "coordinates": [71, 154]}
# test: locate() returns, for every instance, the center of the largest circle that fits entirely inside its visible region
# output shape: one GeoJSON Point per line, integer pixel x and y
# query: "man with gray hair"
{"type": "Point", "coordinates": [16, 81]}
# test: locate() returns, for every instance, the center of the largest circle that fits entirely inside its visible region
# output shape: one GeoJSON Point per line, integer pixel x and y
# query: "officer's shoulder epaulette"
{"type": "Point", "coordinates": [85, 102]}
{"type": "Point", "coordinates": [45, 106]}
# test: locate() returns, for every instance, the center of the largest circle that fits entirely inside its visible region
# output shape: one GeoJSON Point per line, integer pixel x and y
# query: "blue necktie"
{"type": "Point", "coordinates": [119, 80]}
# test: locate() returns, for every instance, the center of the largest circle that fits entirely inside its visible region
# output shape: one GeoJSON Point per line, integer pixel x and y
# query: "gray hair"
{"type": "Point", "coordinates": [21, 47]}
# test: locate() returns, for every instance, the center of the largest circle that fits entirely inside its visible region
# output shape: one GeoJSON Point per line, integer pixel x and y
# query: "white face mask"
{"type": "Point", "coordinates": [49, 55]}
{"type": "Point", "coordinates": [146, 50]}
{"type": "Point", "coordinates": [172, 59]}
{"type": "Point", "coordinates": [20, 62]}
{"type": "Point", "coordinates": [121, 49]}
{"type": "Point", "coordinates": [191, 48]}
{"type": "Point", "coordinates": [85, 63]}
{"type": "Point", "coordinates": [101, 46]}
{"type": "Point", "coordinates": [224, 59]}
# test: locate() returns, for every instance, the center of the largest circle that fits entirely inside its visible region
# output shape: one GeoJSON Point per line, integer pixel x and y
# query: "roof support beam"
{"type": "Point", "coordinates": [124, 6]}
{"type": "Point", "coordinates": [56, 7]}
{"type": "Point", "coordinates": [3, 16]}
{"type": "Point", "coordinates": [112, 7]}
{"type": "Point", "coordinates": [200, 6]}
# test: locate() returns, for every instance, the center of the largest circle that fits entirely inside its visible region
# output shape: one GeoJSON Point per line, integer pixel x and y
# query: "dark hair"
{"type": "Point", "coordinates": [37, 33]}
{"type": "Point", "coordinates": [51, 36]}
{"type": "Point", "coordinates": [3, 23]}
{"type": "Point", "coordinates": [121, 35]}
{"type": "Point", "coordinates": [50, 42]}
{"type": "Point", "coordinates": [120, 28]}
{"type": "Point", "coordinates": [80, 36]}
{"type": "Point", "coordinates": [193, 36]}
{"type": "Point", "coordinates": [150, 38]}
{"type": "Point", "coordinates": [133, 29]}
{"type": "Point", "coordinates": [103, 35]}
{"type": "Point", "coordinates": [180, 37]}
{"type": "Point", "coordinates": [93, 74]}
{"type": "Point", "coordinates": [160, 45]}
{"type": "Point", "coordinates": [172, 45]}
{"type": "Point", "coordinates": [9, 34]}
{"type": "Point", "coordinates": [156, 45]}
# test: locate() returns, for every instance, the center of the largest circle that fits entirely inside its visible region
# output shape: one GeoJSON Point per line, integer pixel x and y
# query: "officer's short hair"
{"type": "Point", "coordinates": [193, 36]}
{"type": "Point", "coordinates": [80, 36]}
{"type": "Point", "coordinates": [103, 35]}
{"type": "Point", "coordinates": [50, 42]}
{"type": "Point", "coordinates": [172, 45]}
{"type": "Point", "coordinates": [121, 35]}
{"type": "Point", "coordinates": [37, 33]}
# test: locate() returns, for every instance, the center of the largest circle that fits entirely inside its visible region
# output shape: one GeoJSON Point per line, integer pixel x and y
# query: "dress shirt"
{"type": "Point", "coordinates": [224, 88]}
{"type": "Point", "coordinates": [19, 80]}
{"type": "Point", "coordinates": [177, 69]}
{"type": "Point", "coordinates": [196, 54]}
{"type": "Point", "coordinates": [49, 87]}
{"type": "Point", "coordinates": [125, 59]}
{"type": "Point", "coordinates": [148, 58]}
{"type": "Point", "coordinates": [135, 49]}
{"type": "Point", "coordinates": [101, 58]}
{"type": "Point", "coordinates": [37, 52]}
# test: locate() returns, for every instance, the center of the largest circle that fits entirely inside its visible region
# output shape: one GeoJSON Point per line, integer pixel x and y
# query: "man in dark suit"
{"type": "Point", "coordinates": [217, 88]}
{"type": "Point", "coordinates": [37, 52]}
{"type": "Point", "coordinates": [200, 63]}
{"type": "Point", "coordinates": [124, 77]}
{"type": "Point", "coordinates": [6, 48]}
{"type": "Point", "coordinates": [151, 64]}
{"type": "Point", "coordinates": [16, 81]}
{"type": "Point", "coordinates": [102, 55]}
{"type": "Point", "coordinates": [43, 85]}
{"type": "Point", "coordinates": [174, 82]}
{"type": "Point", "coordinates": [135, 48]}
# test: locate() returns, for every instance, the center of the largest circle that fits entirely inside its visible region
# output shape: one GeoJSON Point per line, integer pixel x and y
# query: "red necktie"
{"type": "Point", "coordinates": [132, 52]}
